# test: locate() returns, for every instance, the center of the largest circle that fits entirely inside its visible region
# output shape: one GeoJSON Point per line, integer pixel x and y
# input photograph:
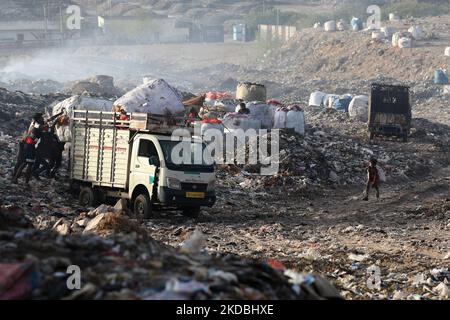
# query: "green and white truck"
{"type": "Point", "coordinates": [133, 159]}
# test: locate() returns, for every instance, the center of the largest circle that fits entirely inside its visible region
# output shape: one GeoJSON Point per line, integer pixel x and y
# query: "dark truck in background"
{"type": "Point", "coordinates": [389, 111]}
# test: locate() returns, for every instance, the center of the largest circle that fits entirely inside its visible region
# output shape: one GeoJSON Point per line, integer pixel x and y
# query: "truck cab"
{"type": "Point", "coordinates": [155, 173]}
{"type": "Point", "coordinates": [148, 161]}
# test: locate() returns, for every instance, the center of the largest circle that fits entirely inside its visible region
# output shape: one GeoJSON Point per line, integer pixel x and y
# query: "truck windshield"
{"type": "Point", "coordinates": [186, 155]}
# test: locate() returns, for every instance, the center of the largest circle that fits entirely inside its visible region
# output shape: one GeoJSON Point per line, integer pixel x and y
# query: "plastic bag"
{"type": "Point", "coordinates": [359, 108]}
{"type": "Point", "coordinates": [156, 97]}
{"type": "Point", "coordinates": [262, 112]}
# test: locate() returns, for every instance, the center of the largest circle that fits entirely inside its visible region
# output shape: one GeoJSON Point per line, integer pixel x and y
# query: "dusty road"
{"type": "Point", "coordinates": [404, 233]}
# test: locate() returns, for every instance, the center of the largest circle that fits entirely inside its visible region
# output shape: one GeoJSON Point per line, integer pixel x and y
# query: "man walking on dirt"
{"type": "Point", "coordinates": [373, 179]}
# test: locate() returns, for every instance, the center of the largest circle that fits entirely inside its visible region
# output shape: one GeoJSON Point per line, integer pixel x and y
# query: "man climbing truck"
{"type": "Point", "coordinates": [389, 111]}
{"type": "Point", "coordinates": [135, 159]}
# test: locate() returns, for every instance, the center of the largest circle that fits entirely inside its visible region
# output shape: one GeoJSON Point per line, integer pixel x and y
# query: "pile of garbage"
{"type": "Point", "coordinates": [129, 264]}
{"type": "Point", "coordinates": [337, 154]}
{"type": "Point", "coordinates": [99, 86]}
{"type": "Point", "coordinates": [40, 86]}
{"type": "Point", "coordinates": [17, 108]}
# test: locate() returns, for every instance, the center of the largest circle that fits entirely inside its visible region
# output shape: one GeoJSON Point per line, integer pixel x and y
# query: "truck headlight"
{"type": "Point", "coordinates": [211, 185]}
{"type": "Point", "coordinates": [173, 183]}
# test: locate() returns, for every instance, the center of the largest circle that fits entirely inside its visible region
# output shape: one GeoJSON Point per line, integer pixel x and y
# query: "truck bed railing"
{"type": "Point", "coordinates": [160, 124]}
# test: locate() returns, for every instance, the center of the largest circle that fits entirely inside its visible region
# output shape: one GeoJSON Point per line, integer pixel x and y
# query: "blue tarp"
{"type": "Point", "coordinates": [357, 24]}
{"type": "Point", "coordinates": [440, 77]}
{"type": "Point", "coordinates": [342, 103]}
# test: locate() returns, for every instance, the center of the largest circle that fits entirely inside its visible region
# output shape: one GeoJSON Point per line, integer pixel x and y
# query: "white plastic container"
{"type": "Point", "coordinates": [330, 26]}
{"type": "Point", "coordinates": [395, 38]}
{"type": "Point", "coordinates": [315, 99]}
{"type": "Point", "coordinates": [280, 119]}
{"type": "Point", "coordinates": [447, 51]}
{"type": "Point", "coordinates": [295, 119]}
{"type": "Point", "coordinates": [447, 90]}
{"type": "Point", "coordinates": [261, 111]}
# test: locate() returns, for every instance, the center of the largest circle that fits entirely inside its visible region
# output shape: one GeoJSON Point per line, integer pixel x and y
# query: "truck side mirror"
{"type": "Point", "coordinates": [153, 161]}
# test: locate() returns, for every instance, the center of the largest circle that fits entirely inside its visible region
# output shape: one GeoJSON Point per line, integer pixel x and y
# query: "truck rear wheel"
{"type": "Point", "coordinates": [87, 197]}
{"type": "Point", "coordinates": [191, 212]}
{"type": "Point", "coordinates": [142, 206]}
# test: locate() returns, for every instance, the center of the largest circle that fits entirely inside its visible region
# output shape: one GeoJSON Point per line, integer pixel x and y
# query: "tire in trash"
{"type": "Point", "coordinates": [87, 197]}
{"type": "Point", "coordinates": [142, 206]}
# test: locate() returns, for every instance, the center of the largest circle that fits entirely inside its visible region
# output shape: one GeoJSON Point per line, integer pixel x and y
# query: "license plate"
{"type": "Point", "coordinates": [195, 195]}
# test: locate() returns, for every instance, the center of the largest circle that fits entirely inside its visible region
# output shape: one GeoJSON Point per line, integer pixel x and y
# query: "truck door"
{"type": "Point", "coordinates": [144, 165]}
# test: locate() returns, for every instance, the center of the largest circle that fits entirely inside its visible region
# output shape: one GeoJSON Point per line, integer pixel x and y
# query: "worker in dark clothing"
{"type": "Point", "coordinates": [373, 179]}
{"type": "Point", "coordinates": [47, 127]}
{"type": "Point", "coordinates": [242, 109]}
{"type": "Point", "coordinates": [20, 156]}
{"type": "Point", "coordinates": [29, 148]}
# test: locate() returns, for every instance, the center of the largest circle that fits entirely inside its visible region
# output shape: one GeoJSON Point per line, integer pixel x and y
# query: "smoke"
{"type": "Point", "coordinates": [72, 64]}
{"type": "Point", "coordinates": [61, 65]}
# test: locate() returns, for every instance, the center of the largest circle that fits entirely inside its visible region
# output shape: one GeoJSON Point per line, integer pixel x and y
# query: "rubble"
{"type": "Point", "coordinates": [131, 265]}
{"type": "Point", "coordinates": [98, 86]}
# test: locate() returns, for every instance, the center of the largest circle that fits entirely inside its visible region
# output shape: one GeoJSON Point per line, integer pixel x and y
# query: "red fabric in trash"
{"type": "Point", "coordinates": [215, 95]}
{"type": "Point", "coordinates": [215, 121]}
{"type": "Point", "coordinates": [275, 264]}
{"type": "Point", "coordinates": [274, 102]}
{"type": "Point", "coordinates": [17, 280]}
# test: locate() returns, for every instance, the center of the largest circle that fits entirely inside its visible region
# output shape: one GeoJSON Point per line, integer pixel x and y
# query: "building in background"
{"type": "Point", "coordinates": [141, 30]}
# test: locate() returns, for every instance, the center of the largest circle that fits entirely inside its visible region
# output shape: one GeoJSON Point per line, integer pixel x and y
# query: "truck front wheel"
{"type": "Point", "coordinates": [142, 206]}
{"type": "Point", "coordinates": [87, 197]}
{"type": "Point", "coordinates": [191, 212]}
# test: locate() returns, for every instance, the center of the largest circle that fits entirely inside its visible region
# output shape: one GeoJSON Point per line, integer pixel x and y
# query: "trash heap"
{"type": "Point", "coordinates": [40, 86]}
{"type": "Point", "coordinates": [129, 264]}
{"type": "Point", "coordinates": [99, 86]}
{"type": "Point", "coordinates": [336, 154]}
{"type": "Point", "coordinates": [17, 108]}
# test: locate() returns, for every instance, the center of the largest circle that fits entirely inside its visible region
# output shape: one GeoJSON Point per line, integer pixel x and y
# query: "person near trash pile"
{"type": "Point", "coordinates": [20, 157]}
{"type": "Point", "coordinates": [29, 148]}
{"type": "Point", "coordinates": [373, 179]}
{"type": "Point", "coordinates": [192, 116]}
{"type": "Point", "coordinates": [123, 116]}
{"type": "Point", "coordinates": [242, 109]}
{"type": "Point", "coordinates": [48, 127]}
